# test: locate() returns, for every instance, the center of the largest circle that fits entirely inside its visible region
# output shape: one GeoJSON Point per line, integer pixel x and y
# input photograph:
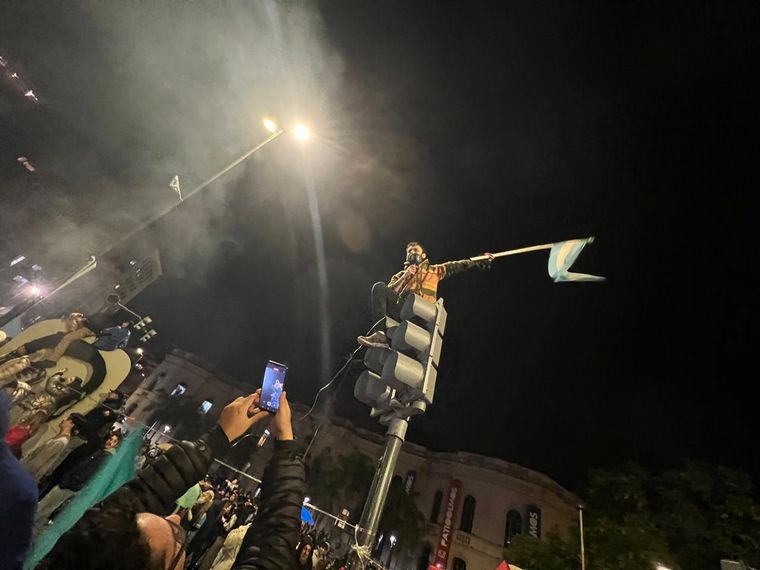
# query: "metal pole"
{"type": "Point", "coordinates": [522, 250]}
{"type": "Point", "coordinates": [583, 548]}
{"type": "Point", "coordinates": [373, 508]}
{"type": "Point", "coordinates": [137, 229]}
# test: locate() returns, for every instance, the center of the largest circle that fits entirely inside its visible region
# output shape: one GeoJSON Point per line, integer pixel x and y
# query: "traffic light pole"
{"type": "Point", "coordinates": [378, 493]}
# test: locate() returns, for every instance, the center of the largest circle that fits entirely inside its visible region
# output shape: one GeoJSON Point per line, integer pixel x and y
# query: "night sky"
{"type": "Point", "coordinates": [470, 128]}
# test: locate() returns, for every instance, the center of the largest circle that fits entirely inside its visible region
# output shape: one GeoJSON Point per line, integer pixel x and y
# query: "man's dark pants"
{"type": "Point", "coordinates": [385, 301]}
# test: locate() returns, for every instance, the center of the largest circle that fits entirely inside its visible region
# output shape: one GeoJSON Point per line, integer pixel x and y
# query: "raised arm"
{"type": "Point", "coordinates": [271, 540]}
{"type": "Point", "coordinates": [156, 487]}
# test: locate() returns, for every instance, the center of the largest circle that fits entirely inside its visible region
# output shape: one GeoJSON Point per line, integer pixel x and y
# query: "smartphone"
{"type": "Point", "coordinates": [271, 388]}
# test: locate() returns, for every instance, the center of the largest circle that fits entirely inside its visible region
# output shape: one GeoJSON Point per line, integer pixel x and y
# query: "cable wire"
{"type": "Point", "coordinates": [349, 360]}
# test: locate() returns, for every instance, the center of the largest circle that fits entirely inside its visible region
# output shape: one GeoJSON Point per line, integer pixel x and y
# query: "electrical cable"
{"type": "Point", "coordinates": [345, 366]}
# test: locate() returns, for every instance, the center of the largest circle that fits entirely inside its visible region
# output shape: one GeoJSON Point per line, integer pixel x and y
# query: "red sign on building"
{"type": "Point", "coordinates": [447, 528]}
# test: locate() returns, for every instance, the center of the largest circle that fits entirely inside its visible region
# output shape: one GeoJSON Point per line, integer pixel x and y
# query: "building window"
{"type": "Point", "coordinates": [459, 564]}
{"type": "Point", "coordinates": [468, 514]}
{"type": "Point", "coordinates": [179, 389]}
{"type": "Point", "coordinates": [514, 526]}
{"type": "Point", "coordinates": [436, 507]}
{"type": "Point", "coordinates": [206, 406]}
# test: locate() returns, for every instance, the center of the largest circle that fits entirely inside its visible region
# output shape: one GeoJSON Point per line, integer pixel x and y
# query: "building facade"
{"type": "Point", "coordinates": [183, 374]}
{"type": "Point", "coordinates": [477, 504]}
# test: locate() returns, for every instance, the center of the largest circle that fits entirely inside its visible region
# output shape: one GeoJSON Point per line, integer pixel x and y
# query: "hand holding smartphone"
{"type": "Point", "coordinates": [272, 386]}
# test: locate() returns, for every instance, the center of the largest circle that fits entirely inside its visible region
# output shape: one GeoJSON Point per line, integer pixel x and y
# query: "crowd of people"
{"type": "Point", "coordinates": [160, 519]}
{"type": "Point", "coordinates": [174, 514]}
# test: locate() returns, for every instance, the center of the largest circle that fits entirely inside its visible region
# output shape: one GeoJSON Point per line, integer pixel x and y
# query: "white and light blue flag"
{"type": "Point", "coordinates": [561, 257]}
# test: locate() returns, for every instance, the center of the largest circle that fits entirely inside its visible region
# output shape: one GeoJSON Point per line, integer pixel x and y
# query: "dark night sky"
{"type": "Point", "coordinates": [470, 128]}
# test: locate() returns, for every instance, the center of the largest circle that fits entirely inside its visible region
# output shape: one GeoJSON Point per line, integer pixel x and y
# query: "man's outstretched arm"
{"type": "Point", "coordinates": [451, 268]}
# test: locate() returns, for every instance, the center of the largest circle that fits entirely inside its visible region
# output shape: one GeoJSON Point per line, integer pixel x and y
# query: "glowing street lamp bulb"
{"type": "Point", "coordinates": [270, 125]}
{"type": "Point", "coordinates": [35, 290]}
{"type": "Point", "coordinates": [301, 132]}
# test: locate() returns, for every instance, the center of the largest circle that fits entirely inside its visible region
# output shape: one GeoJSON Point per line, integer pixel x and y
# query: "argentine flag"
{"type": "Point", "coordinates": [562, 255]}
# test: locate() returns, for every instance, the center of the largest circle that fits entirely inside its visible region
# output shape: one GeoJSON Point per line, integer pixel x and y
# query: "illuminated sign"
{"type": "Point", "coordinates": [447, 529]}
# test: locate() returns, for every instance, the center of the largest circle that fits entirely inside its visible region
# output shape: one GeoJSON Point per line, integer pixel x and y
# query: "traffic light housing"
{"type": "Point", "coordinates": [400, 382]}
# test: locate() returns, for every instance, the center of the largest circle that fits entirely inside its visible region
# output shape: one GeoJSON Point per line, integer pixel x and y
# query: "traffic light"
{"type": "Point", "coordinates": [142, 323]}
{"type": "Point", "coordinates": [148, 335]}
{"type": "Point", "coordinates": [400, 382]}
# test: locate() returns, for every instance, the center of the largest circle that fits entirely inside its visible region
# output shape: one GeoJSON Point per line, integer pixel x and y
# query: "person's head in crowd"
{"type": "Point", "coordinates": [112, 440]}
{"type": "Point", "coordinates": [228, 508]}
{"type": "Point", "coordinates": [76, 321]}
{"type": "Point", "coordinates": [323, 548]}
{"type": "Point", "coordinates": [143, 540]}
{"type": "Point", "coordinates": [67, 425]}
{"type": "Point", "coordinates": [125, 324]}
{"type": "Point", "coordinates": [114, 395]}
{"type": "Point", "coordinates": [304, 553]}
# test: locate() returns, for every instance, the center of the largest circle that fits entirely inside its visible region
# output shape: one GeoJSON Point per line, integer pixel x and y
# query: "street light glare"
{"type": "Point", "coordinates": [302, 132]}
{"type": "Point", "coordinates": [269, 125]}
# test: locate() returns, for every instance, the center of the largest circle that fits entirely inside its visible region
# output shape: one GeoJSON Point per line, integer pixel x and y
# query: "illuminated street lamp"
{"type": "Point", "coordinates": [301, 132]}
{"type": "Point", "coordinates": [269, 125]}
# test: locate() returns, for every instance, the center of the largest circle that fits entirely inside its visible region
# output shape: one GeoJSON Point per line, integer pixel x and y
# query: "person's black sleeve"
{"type": "Point", "coordinates": [157, 486]}
{"type": "Point", "coordinates": [451, 268]}
{"type": "Point", "coordinates": [271, 540]}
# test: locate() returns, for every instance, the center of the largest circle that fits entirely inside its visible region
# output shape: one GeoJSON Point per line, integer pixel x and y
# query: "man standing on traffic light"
{"type": "Point", "coordinates": [419, 277]}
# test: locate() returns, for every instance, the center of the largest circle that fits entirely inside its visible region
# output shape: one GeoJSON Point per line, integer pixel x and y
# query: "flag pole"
{"type": "Point", "coordinates": [522, 250]}
{"type": "Point", "coordinates": [583, 548]}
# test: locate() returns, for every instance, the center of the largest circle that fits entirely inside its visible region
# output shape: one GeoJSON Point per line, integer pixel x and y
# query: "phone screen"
{"type": "Point", "coordinates": [271, 388]}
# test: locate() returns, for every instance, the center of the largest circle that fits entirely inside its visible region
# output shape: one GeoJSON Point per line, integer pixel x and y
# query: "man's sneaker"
{"type": "Point", "coordinates": [375, 340]}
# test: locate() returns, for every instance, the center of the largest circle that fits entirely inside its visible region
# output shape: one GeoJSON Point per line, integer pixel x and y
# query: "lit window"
{"type": "Point", "coordinates": [180, 389]}
{"type": "Point", "coordinates": [206, 406]}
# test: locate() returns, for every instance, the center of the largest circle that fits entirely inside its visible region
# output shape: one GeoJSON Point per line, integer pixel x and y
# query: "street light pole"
{"type": "Point", "coordinates": [136, 230]}
{"type": "Point", "coordinates": [378, 493]}
{"type": "Point", "coordinates": [583, 548]}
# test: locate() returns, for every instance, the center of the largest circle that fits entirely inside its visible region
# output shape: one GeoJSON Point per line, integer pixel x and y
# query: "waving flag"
{"type": "Point", "coordinates": [115, 471]}
{"type": "Point", "coordinates": [562, 255]}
